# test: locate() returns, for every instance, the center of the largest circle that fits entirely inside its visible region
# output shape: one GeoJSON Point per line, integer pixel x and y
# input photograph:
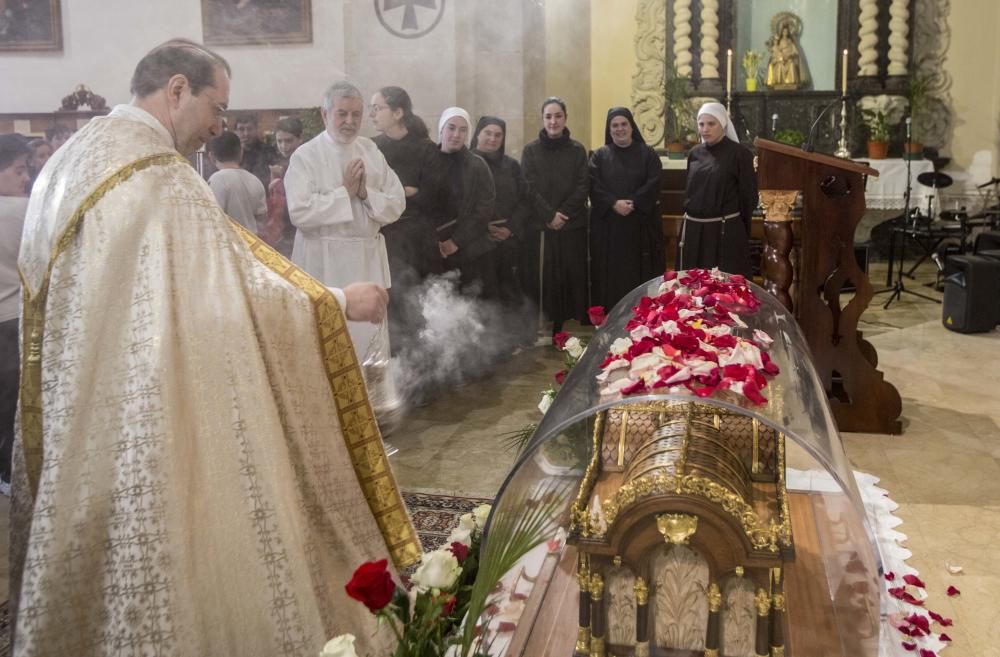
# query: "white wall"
{"type": "Point", "coordinates": [103, 40]}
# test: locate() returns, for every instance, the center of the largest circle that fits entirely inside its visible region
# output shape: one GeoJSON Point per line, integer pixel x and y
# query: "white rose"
{"type": "Point", "coordinates": [459, 535]}
{"type": "Point", "coordinates": [574, 347]}
{"type": "Point", "coordinates": [481, 513]}
{"type": "Point", "coordinates": [341, 646]}
{"type": "Point", "coordinates": [621, 346]}
{"type": "Point", "coordinates": [438, 570]}
{"type": "Point", "coordinates": [467, 522]}
{"type": "Point", "coordinates": [546, 401]}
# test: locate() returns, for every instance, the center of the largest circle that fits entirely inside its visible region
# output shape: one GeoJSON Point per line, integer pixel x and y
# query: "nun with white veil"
{"type": "Point", "coordinates": [720, 197]}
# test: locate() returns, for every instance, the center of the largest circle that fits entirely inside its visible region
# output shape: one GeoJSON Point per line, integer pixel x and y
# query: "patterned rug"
{"type": "Point", "coordinates": [434, 516]}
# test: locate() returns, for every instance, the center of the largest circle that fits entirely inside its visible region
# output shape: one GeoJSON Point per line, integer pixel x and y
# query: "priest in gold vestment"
{"type": "Point", "coordinates": [198, 470]}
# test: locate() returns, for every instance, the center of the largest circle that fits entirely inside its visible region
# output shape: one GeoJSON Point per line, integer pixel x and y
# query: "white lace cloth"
{"type": "Point", "coordinates": [887, 192]}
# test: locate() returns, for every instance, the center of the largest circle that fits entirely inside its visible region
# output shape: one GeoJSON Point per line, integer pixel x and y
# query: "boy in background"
{"type": "Point", "coordinates": [239, 192]}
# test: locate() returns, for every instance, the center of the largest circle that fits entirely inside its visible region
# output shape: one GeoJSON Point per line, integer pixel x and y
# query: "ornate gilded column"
{"type": "Point", "coordinates": [597, 617]}
{"type": "Point", "coordinates": [763, 613]}
{"type": "Point", "coordinates": [641, 617]}
{"type": "Point", "coordinates": [777, 265]}
{"type": "Point", "coordinates": [777, 625]}
{"type": "Point", "coordinates": [682, 37]}
{"type": "Point", "coordinates": [583, 582]}
{"type": "Point", "coordinates": [712, 634]}
{"type": "Point", "coordinates": [899, 37]}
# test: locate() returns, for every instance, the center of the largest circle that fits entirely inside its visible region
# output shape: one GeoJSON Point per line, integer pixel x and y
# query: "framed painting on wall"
{"type": "Point", "coordinates": [241, 22]}
{"type": "Point", "coordinates": [30, 25]}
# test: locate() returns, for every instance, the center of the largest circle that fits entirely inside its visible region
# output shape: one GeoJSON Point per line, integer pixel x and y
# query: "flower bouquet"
{"type": "Point", "coordinates": [452, 595]}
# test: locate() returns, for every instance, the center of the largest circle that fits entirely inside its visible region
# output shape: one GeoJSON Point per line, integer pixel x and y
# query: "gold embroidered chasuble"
{"type": "Point", "coordinates": [195, 439]}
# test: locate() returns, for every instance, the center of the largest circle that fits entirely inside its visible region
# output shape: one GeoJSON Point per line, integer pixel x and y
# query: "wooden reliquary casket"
{"type": "Point", "coordinates": [720, 522]}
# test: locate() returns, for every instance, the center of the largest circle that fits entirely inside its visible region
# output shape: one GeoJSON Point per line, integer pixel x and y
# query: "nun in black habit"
{"type": "Point", "coordinates": [511, 215]}
{"type": "Point", "coordinates": [555, 167]}
{"type": "Point", "coordinates": [626, 234]}
{"type": "Point", "coordinates": [720, 197]}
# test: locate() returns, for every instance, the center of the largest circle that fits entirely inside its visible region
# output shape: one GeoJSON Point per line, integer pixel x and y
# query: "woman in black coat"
{"type": "Point", "coordinates": [626, 236]}
{"type": "Point", "coordinates": [555, 166]}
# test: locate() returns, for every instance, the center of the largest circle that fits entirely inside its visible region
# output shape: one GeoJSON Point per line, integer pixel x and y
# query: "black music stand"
{"type": "Point", "coordinates": [899, 288]}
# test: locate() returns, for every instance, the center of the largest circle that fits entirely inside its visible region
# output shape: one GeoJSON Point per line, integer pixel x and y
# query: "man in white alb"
{"type": "Point", "coordinates": [340, 192]}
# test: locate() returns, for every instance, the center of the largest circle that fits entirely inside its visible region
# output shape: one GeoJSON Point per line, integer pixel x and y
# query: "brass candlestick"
{"type": "Point", "coordinates": [842, 150]}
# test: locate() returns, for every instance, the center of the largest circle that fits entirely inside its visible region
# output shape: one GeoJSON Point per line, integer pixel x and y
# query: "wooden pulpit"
{"type": "Point", "coordinates": [819, 240]}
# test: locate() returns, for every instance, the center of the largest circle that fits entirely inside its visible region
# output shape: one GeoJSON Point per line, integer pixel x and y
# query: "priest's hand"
{"type": "Point", "coordinates": [410, 191]}
{"type": "Point", "coordinates": [558, 221]}
{"type": "Point", "coordinates": [354, 178]}
{"type": "Point", "coordinates": [624, 207]}
{"type": "Point", "coordinates": [447, 248]}
{"type": "Point", "coordinates": [366, 302]}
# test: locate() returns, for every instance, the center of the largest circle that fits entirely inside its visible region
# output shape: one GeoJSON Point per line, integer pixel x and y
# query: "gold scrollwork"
{"type": "Point", "coordinates": [596, 587]}
{"type": "Point", "coordinates": [641, 590]}
{"type": "Point", "coordinates": [711, 652]}
{"type": "Point", "coordinates": [739, 571]}
{"type": "Point", "coordinates": [642, 649]}
{"type": "Point", "coordinates": [580, 519]}
{"type": "Point", "coordinates": [714, 598]}
{"type": "Point", "coordinates": [778, 204]}
{"type": "Point", "coordinates": [761, 536]}
{"type": "Point", "coordinates": [583, 641]}
{"type": "Point", "coordinates": [777, 651]}
{"type": "Point", "coordinates": [778, 601]}
{"type": "Point", "coordinates": [763, 602]}
{"type": "Point", "coordinates": [597, 646]}
{"type": "Point", "coordinates": [677, 528]}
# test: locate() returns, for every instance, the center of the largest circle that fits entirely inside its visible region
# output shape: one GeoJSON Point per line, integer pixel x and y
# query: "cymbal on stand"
{"type": "Point", "coordinates": [935, 179]}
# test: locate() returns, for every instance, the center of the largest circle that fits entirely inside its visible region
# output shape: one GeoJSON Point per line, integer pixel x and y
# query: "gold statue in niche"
{"type": "Point", "coordinates": [786, 68]}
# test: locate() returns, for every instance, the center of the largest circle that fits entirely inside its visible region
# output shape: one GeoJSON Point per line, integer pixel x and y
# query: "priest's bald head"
{"type": "Point", "coordinates": [185, 86]}
{"type": "Point", "coordinates": [343, 111]}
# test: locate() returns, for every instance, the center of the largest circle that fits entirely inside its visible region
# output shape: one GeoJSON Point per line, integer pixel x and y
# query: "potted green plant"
{"type": "Point", "coordinates": [790, 137]}
{"type": "Point", "coordinates": [918, 89]}
{"type": "Point", "coordinates": [752, 60]}
{"type": "Point", "coordinates": [678, 119]}
{"type": "Point", "coordinates": [879, 114]}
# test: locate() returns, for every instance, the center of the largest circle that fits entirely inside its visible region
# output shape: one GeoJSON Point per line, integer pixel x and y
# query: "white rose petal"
{"type": "Point", "coordinates": [574, 347]}
{"type": "Point", "coordinates": [546, 401]}
{"type": "Point", "coordinates": [680, 376]}
{"type": "Point", "coordinates": [481, 513]}
{"type": "Point", "coordinates": [640, 332]}
{"type": "Point", "coordinates": [762, 337]}
{"type": "Point", "coordinates": [467, 522]}
{"type": "Point", "coordinates": [743, 353]}
{"type": "Point", "coordinates": [739, 321]}
{"type": "Point", "coordinates": [341, 646]}
{"type": "Point", "coordinates": [621, 346]}
{"type": "Point", "coordinates": [438, 570]}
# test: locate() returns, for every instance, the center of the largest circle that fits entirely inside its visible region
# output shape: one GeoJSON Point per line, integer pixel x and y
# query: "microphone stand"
{"type": "Point", "coordinates": [898, 289]}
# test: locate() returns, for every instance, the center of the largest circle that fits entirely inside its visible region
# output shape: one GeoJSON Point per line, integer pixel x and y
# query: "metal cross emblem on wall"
{"type": "Point", "coordinates": [409, 28]}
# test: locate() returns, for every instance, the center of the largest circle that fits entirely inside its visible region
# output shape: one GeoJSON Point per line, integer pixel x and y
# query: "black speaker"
{"type": "Point", "coordinates": [971, 294]}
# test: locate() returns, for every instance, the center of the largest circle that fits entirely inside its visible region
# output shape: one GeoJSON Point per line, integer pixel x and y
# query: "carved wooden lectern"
{"type": "Point", "coordinates": [820, 241]}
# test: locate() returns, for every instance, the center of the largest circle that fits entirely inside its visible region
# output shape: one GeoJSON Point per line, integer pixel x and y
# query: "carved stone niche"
{"type": "Point", "coordinates": [693, 498]}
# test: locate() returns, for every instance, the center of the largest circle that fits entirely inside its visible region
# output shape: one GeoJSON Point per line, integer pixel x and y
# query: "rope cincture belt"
{"type": "Point", "coordinates": [710, 220]}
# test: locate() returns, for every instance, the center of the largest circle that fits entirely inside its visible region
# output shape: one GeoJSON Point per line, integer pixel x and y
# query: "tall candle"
{"type": "Point", "coordinates": [729, 72]}
{"type": "Point", "coordinates": [843, 75]}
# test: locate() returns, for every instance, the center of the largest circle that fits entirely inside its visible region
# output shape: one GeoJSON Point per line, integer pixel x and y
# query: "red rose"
{"type": "Point", "coordinates": [460, 550]}
{"type": "Point", "coordinates": [372, 585]}
{"type": "Point", "coordinates": [559, 339]}
{"type": "Point", "coordinates": [560, 376]}
{"type": "Point", "coordinates": [449, 605]}
{"type": "Point", "coordinates": [596, 315]}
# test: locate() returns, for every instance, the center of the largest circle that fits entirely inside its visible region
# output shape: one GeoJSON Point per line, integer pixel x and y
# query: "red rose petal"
{"type": "Point", "coordinates": [909, 646]}
{"type": "Point", "coordinates": [945, 622]}
{"type": "Point", "coordinates": [561, 376]}
{"type": "Point", "coordinates": [944, 637]}
{"type": "Point", "coordinates": [889, 576]}
{"type": "Point", "coordinates": [919, 621]}
{"type": "Point", "coordinates": [559, 339]}
{"type": "Point", "coordinates": [927, 653]}
{"type": "Point", "coordinates": [952, 591]}
{"type": "Point", "coordinates": [596, 315]}
{"type": "Point", "coordinates": [913, 580]}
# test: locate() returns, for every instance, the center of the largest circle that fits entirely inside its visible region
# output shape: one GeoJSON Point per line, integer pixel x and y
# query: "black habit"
{"type": "Point", "coordinates": [720, 182]}
{"type": "Point", "coordinates": [558, 177]}
{"type": "Point", "coordinates": [513, 212]}
{"type": "Point", "coordinates": [468, 207]}
{"type": "Point", "coordinates": [411, 241]}
{"type": "Point", "coordinates": [626, 251]}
